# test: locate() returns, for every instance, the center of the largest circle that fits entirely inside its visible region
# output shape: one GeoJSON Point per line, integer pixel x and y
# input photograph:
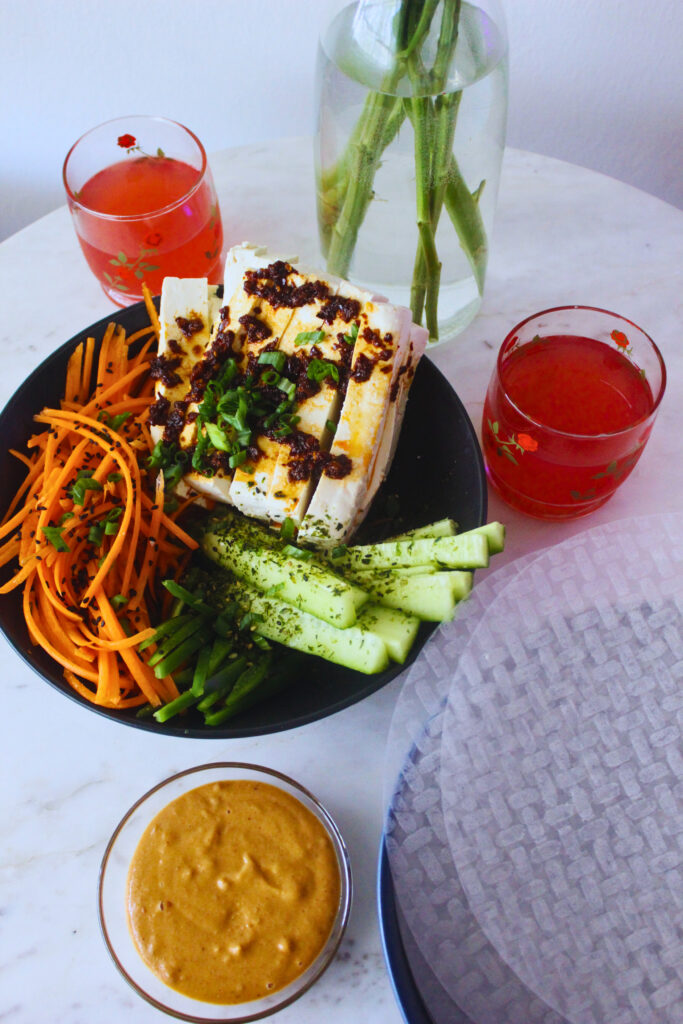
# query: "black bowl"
{"type": "Point", "coordinates": [437, 471]}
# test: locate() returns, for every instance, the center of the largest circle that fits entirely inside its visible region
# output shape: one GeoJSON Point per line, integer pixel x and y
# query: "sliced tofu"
{"type": "Point", "coordinates": [288, 496]}
{"type": "Point", "coordinates": [188, 299]}
{"type": "Point", "coordinates": [392, 426]}
{"type": "Point", "coordinates": [182, 299]}
{"type": "Point", "coordinates": [356, 425]}
{"type": "Point", "coordinates": [268, 492]}
{"type": "Point", "coordinates": [379, 353]}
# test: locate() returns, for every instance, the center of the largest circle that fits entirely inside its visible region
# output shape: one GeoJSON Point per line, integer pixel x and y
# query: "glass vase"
{"type": "Point", "coordinates": [412, 110]}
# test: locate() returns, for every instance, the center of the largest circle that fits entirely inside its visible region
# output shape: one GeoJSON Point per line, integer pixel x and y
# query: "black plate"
{"type": "Point", "coordinates": [437, 471]}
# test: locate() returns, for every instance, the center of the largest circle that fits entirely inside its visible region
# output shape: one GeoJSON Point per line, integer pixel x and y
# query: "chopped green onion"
{"type": "Point", "coordinates": [331, 426]}
{"type": "Point", "coordinates": [276, 359]}
{"type": "Point", "coordinates": [83, 484]}
{"type": "Point", "coordinates": [113, 478]}
{"type": "Point", "coordinates": [300, 553]}
{"type": "Point", "coordinates": [288, 386]}
{"type": "Point", "coordinates": [96, 534]}
{"type": "Point", "coordinates": [306, 337]}
{"type": "Point", "coordinates": [288, 530]}
{"type": "Point", "coordinates": [54, 535]}
{"type": "Point", "coordinates": [319, 369]}
{"type": "Point", "coordinates": [119, 601]}
{"type": "Point", "coordinates": [217, 437]}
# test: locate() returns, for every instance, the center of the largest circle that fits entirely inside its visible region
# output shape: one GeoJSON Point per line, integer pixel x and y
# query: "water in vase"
{"type": "Point", "coordinates": [353, 60]}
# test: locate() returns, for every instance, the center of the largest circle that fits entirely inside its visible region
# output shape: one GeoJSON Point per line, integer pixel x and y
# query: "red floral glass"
{"type": "Point", "coordinates": [144, 205]}
{"type": "Point", "coordinates": [569, 408]}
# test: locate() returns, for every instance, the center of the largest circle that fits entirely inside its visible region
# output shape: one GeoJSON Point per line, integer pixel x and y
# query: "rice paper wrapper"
{"type": "Point", "coordinates": [535, 784]}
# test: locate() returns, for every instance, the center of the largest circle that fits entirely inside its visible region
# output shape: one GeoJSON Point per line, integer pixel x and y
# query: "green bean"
{"type": "Point", "coordinates": [185, 700]}
{"type": "Point", "coordinates": [180, 655]}
{"type": "Point", "coordinates": [222, 683]}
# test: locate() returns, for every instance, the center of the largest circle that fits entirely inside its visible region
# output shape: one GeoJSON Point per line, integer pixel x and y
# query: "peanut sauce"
{"type": "Point", "coordinates": [232, 891]}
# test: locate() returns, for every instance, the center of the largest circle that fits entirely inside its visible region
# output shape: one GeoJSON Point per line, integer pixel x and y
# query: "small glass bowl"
{"type": "Point", "coordinates": [112, 897]}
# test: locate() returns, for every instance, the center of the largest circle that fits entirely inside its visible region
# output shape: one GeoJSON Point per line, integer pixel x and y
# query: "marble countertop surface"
{"type": "Point", "coordinates": [563, 235]}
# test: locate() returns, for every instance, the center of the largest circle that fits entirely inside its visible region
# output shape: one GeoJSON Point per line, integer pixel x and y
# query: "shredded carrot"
{"type": "Point", "coordinates": [86, 535]}
{"type": "Point", "coordinates": [151, 308]}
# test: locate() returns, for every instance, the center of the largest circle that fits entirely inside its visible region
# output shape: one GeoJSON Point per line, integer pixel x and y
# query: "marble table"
{"type": "Point", "coordinates": [563, 235]}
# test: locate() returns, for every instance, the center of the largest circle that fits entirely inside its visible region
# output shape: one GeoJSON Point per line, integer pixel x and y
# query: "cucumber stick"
{"type": "Point", "coordinates": [465, 551]}
{"type": "Point", "coordinates": [495, 536]}
{"type": "Point", "coordinates": [276, 620]}
{"type": "Point", "coordinates": [441, 528]}
{"type": "Point", "coordinates": [397, 629]}
{"type": "Point", "coordinates": [431, 596]}
{"type": "Point", "coordinates": [303, 583]}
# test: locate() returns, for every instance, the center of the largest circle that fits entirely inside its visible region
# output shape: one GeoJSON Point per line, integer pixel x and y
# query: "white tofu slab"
{"type": "Point", "coordinates": [336, 502]}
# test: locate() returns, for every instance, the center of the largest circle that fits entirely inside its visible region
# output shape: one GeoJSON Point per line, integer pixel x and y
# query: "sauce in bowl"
{"type": "Point", "coordinates": [232, 891]}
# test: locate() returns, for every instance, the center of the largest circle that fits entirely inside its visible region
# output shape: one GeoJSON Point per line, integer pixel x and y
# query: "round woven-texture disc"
{"type": "Point", "coordinates": [459, 974]}
{"type": "Point", "coordinates": [562, 773]}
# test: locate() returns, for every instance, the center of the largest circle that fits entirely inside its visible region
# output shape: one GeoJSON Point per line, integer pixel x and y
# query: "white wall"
{"type": "Point", "coordinates": [596, 82]}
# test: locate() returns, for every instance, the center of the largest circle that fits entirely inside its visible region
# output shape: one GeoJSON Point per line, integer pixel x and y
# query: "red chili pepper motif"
{"type": "Point", "coordinates": [619, 338]}
{"type": "Point", "coordinates": [126, 141]}
{"type": "Point", "coordinates": [529, 444]}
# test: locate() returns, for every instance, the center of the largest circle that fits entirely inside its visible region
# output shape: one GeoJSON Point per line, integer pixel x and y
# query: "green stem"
{"type": "Point", "coordinates": [427, 269]}
{"type": "Point", "coordinates": [376, 128]}
{"type": "Point", "coordinates": [359, 189]}
{"type": "Point", "coordinates": [463, 209]}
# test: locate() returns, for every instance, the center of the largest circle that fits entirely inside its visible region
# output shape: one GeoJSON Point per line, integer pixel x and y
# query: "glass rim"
{"type": "Point", "coordinates": [571, 434]}
{"type": "Point", "coordinates": [132, 217]}
{"type": "Point", "coordinates": [324, 957]}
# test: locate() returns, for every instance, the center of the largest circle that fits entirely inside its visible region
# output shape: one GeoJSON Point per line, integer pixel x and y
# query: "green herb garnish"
{"type": "Point", "coordinates": [54, 535]}
{"type": "Point", "coordinates": [319, 369]}
{"type": "Point", "coordinates": [308, 337]}
{"type": "Point", "coordinates": [83, 483]}
{"type": "Point", "coordinates": [113, 422]}
{"type": "Point", "coordinates": [276, 359]}
{"type": "Point", "coordinates": [350, 338]}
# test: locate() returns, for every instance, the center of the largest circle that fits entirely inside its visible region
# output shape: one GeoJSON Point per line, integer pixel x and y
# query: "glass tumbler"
{"type": "Point", "coordinates": [569, 408]}
{"type": "Point", "coordinates": [144, 205]}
